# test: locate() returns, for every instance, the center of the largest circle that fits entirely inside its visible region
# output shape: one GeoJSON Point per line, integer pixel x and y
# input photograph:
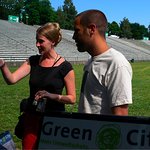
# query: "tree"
{"type": "Point", "coordinates": [114, 28]}
{"type": "Point", "coordinates": [125, 29]}
{"type": "Point", "coordinates": [18, 6]}
{"type": "Point", "coordinates": [149, 28]}
{"type": "Point", "coordinates": [144, 30]}
{"type": "Point", "coordinates": [31, 8]}
{"type": "Point", "coordinates": [61, 17]}
{"type": "Point", "coordinates": [46, 12]}
{"type": "Point", "coordinates": [135, 31]}
{"type": "Point", "coordinates": [138, 31]}
{"type": "Point", "coordinates": [40, 12]}
{"type": "Point", "coordinates": [148, 31]}
{"type": "Point", "coordinates": [69, 14]}
{"type": "Point", "coordinates": [19, 9]}
{"type": "Point", "coordinates": [6, 8]}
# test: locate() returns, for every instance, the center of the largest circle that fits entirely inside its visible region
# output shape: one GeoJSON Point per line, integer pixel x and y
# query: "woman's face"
{"type": "Point", "coordinates": [43, 44]}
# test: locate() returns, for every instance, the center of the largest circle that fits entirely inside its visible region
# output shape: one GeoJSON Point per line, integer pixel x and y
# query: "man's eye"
{"type": "Point", "coordinates": [76, 30]}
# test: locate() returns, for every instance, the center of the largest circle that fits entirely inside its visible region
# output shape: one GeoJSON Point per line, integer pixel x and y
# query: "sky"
{"type": "Point", "coordinates": [136, 11]}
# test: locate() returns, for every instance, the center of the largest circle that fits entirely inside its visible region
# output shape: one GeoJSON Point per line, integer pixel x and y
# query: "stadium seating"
{"type": "Point", "coordinates": [17, 43]}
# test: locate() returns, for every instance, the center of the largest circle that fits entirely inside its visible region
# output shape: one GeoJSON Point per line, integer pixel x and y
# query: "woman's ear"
{"type": "Point", "coordinates": [53, 43]}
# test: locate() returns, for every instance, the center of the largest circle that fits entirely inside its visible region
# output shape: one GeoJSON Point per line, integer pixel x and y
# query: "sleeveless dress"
{"type": "Point", "coordinates": [50, 79]}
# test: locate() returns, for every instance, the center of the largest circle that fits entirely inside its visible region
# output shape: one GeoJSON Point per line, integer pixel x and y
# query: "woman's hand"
{"type": "Point", "coordinates": [42, 94]}
{"type": "Point", "coordinates": [2, 63]}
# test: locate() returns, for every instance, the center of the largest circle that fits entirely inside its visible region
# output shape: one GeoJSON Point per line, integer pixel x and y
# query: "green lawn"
{"type": "Point", "coordinates": [141, 87]}
{"type": "Point", "coordinates": [10, 96]}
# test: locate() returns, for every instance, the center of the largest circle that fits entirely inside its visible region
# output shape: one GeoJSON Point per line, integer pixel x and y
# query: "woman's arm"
{"type": "Point", "coordinates": [12, 78]}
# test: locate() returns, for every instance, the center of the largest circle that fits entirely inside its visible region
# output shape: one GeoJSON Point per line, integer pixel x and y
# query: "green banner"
{"type": "Point", "coordinates": [13, 18]}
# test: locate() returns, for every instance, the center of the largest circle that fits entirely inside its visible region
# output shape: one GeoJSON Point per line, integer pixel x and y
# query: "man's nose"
{"type": "Point", "coordinates": [73, 37]}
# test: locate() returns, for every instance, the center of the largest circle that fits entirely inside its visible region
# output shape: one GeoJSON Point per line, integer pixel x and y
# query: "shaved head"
{"type": "Point", "coordinates": [94, 17]}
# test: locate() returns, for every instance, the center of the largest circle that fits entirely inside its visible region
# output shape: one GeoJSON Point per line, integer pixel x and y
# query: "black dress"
{"type": "Point", "coordinates": [50, 79]}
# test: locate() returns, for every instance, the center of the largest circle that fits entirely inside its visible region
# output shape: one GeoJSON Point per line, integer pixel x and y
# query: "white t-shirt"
{"type": "Point", "coordinates": [107, 82]}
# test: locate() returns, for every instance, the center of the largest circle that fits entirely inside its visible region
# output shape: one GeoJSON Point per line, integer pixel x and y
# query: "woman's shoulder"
{"type": "Point", "coordinates": [62, 62]}
{"type": "Point", "coordinates": [66, 67]}
{"type": "Point", "coordinates": [34, 59]}
{"type": "Point", "coordinates": [67, 63]}
{"type": "Point", "coordinates": [35, 56]}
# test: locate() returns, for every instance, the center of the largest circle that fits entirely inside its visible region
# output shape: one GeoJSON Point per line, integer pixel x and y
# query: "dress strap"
{"type": "Point", "coordinates": [56, 61]}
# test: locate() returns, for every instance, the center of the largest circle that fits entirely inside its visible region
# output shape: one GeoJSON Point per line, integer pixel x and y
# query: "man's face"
{"type": "Point", "coordinates": [80, 36]}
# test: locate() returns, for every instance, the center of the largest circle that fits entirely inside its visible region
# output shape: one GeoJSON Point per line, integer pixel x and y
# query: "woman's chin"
{"type": "Point", "coordinates": [41, 52]}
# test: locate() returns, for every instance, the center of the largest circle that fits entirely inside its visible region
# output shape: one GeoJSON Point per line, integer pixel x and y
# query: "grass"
{"type": "Point", "coordinates": [141, 86]}
{"type": "Point", "coordinates": [10, 96]}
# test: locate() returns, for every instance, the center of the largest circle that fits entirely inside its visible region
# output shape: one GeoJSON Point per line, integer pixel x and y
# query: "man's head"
{"type": "Point", "coordinates": [86, 23]}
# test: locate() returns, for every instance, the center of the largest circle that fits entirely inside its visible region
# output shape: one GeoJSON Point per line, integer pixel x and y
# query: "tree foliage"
{"type": "Point", "coordinates": [6, 8]}
{"type": "Point", "coordinates": [40, 11]}
{"type": "Point", "coordinates": [125, 29]}
{"type": "Point", "coordinates": [61, 18]}
{"type": "Point", "coordinates": [138, 31]}
{"type": "Point", "coordinates": [66, 15]}
{"type": "Point", "coordinates": [46, 11]}
{"type": "Point", "coordinates": [128, 30]}
{"type": "Point", "coordinates": [69, 14]}
{"type": "Point", "coordinates": [114, 28]}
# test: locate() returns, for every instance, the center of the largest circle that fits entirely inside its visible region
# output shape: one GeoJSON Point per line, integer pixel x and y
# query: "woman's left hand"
{"type": "Point", "coordinates": [42, 94]}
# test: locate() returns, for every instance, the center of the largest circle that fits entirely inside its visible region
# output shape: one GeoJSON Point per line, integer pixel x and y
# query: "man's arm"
{"type": "Point", "coordinates": [121, 110]}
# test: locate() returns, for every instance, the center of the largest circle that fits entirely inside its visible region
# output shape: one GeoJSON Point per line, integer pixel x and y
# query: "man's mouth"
{"type": "Point", "coordinates": [77, 44]}
{"type": "Point", "coordinates": [40, 50]}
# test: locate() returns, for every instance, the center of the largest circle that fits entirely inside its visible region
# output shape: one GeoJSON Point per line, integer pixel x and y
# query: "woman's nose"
{"type": "Point", "coordinates": [37, 44]}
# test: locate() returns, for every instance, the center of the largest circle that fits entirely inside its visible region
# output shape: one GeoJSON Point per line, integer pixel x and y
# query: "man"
{"type": "Point", "coordinates": [106, 86]}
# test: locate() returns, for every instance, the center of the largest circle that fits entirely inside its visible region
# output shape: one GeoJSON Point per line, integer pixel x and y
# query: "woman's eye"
{"type": "Point", "coordinates": [40, 41]}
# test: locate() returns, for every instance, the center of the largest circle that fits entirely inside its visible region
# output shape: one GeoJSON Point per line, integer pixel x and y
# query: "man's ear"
{"type": "Point", "coordinates": [92, 28]}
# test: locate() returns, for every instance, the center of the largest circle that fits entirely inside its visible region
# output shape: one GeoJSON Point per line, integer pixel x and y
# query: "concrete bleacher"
{"type": "Point", "coordinates": [130, 50]}
{"type": "Point", "coordinates": [17, 43]}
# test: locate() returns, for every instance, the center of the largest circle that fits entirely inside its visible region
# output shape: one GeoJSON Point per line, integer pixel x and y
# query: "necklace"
{"type": "Point", "coordinates": [55, 60]}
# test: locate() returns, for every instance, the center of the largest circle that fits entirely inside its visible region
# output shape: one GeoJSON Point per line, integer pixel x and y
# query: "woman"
{"type": "Point", "coordinates": [49, 74]}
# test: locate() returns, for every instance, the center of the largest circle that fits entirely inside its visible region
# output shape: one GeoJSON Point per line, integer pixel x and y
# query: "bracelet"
{"type": "Point", "coordinates": [2, 65]}
{"type": "Point", "coordinates": [59, 97]}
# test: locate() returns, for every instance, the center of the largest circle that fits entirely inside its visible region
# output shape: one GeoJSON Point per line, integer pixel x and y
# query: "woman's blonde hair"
{"type": "Point", "coordinates": [51, 31]}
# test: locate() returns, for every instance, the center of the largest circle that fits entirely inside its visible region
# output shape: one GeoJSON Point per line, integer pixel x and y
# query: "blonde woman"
{"type": "Point", "coordinates": [49, 74]}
